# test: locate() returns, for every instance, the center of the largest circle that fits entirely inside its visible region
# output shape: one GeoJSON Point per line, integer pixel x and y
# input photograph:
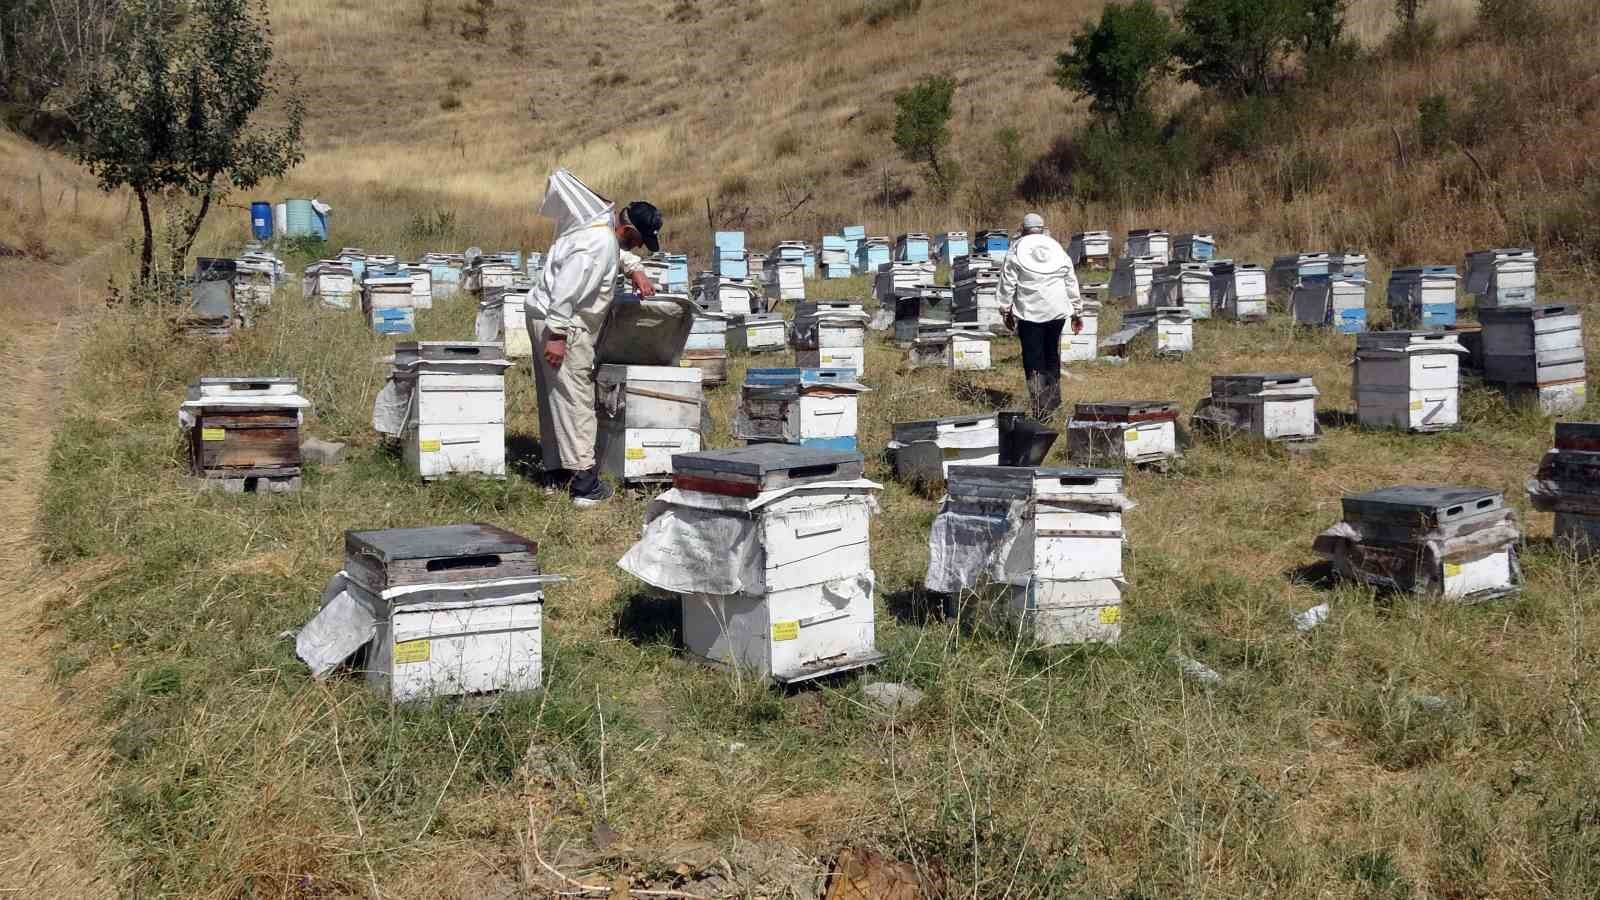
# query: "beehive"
{"type": "Point", "coordinates": [647, 414]}
{"type": "Point", "coordinates": [1117, 432]}
{"type": "Point", "coordinates": [1408, 380]}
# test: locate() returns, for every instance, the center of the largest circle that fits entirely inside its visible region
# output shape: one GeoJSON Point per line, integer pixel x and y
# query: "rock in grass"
{"type": "Point", "coordinates": [893, 696]}
{"type": "Point", "coordinates": [323, 453]}
{"type": "Point", "coordinates": [1311, 618]}
{"type": "Point", "coordinates": [1196, 670]}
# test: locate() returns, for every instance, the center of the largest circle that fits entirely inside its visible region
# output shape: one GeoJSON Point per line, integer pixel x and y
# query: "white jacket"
{"type": "Point", "coordinates": [576, 287]}
{"type": "Point", "coordinates": [1037, 281]}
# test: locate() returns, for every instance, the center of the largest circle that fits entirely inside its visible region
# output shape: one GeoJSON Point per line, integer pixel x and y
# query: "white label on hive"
{"type": "Point", "coordinates": [412, 652]}
{"type": "Point", "coordinates": [786, 631]}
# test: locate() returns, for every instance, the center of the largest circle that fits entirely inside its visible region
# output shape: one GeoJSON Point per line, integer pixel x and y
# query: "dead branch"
{"type": "Point", "coordinates": [579, 888]}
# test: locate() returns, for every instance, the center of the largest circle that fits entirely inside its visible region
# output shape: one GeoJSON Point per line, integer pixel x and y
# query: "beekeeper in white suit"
{"type": "Point", "coordinates": [565, 312]}
{"type": "Point", "coordinates": [1038, 294]}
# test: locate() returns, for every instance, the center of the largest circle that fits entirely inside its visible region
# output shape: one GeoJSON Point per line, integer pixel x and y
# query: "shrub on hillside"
{"type": "Point", "coordinates": [1238, 46]}
{"type": "Point", "coordinates": [878, 12]}
{"type": "Point", "coordinates": [1515, 21]}
{"type": "Point", "coordinates": [1117, 60]}
{"type": "Point", "coordinates": [922, 129]}
{"type": "Point", "coordinates": [1433, 122]}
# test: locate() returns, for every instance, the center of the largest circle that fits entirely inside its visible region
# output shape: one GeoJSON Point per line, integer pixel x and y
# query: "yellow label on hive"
{"type": "Point", "coordinates": [786, 631]}
{"type": "Point", "coordinates": [1451, 570]}
{"type": "Point", "coordinates": [1110, 615]}
{"type": "Point", "coordinates": [213, 434]}
{"type": "Point", "coordinates": [1131, 435]}
{"type": "Point", "coordinates": [430, 446]}
{"type": "Point", "coordinates": [683, 364]}
{"type": "Point", "coordinates": [951, 452]}
{"type": "Point", "coordinates": [1416, 406]}
{"type": "Point", "coordinates": [634, 453]}
{"type": "Point", "coordinates": [412, 652]}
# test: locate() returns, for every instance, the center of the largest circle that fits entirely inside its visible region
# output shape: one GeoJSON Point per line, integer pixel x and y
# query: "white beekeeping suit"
{"type": "Point", "coordinates": [1037, 281]}
{"type": "Point", "coordinates": [570, 300]}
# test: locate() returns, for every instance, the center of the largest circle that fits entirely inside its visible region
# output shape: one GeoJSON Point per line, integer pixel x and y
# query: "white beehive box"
{"type": "Point", "coordinates": [968, 350]}
{"type": "Point", "coordinates": [458, 610]}
{"type": "Point", "coordinates": [734, 296]}
{"type": "Point", "coordinates": [1239, 291]}
{"type": "Point", "coordinates": [456, 422]}
{"type": "Point", "coordinates": [1184, 284]}
{"type": "Point", "coordinates": [646, 414]}
{"type": "Point", "coordinates": [1061, 540]}
{"type": "Point", "coordinates": [853, 358]}
{"type": "Point", "coordinates": [757, 333]}
{"type": "Point", "coordinates": [1117, 432]}
{"type": "Point", "coordinates": [1133, 277]}
{"type": "Point", "coordinates": [1051, 613]}
{"type": "Point", "coordinates": [421, 285]}
{"type": "Point", "coordinates": [1084, 345]}
{"type": "Point", "coordinates": [1269, 406]}
{"type": "Point", "coordinates": [924, 451]}
{"type": "Point", "coordinates": [387, 301]}
{"type": "Point", "coordinates": [1090, 249]}
{"type": "Point", "coordinates": [786, 635]}
{"type": "Point", "coordinates": [1171, 327]}
{"type": "Point", "coordinates": [807, 406]}
{"type": "Point", "coordinates": [709, 331]}
{"type": "Point", "coordinates": [1149, 242]}
{"type": "Point", "coordinates": [1423, 295]}
{"type": "Point", "coordinates": [514, 325]}
{"type": "Point", "coordinates": [1457, 541]}
{"type": "Point", "coordinates": [1507, 277]}
{"type": "Point", "coordinates": [1408, 380]}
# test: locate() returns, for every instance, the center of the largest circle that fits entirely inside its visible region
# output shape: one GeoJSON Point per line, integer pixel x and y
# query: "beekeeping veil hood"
{"type": "Point", "coordinates": [570, 202]}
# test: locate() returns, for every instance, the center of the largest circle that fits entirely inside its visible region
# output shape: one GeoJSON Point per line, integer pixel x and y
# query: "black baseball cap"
{"type": "Point", "coordinates": [646, 220]}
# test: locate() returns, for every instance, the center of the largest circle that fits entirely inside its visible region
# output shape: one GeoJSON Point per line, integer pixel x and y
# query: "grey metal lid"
{"type": "Point", "coordinates": [1517, 313]}
{"type": "Point", "coordinates": [645, 332]}
{"type": "Point", "coordinates": [437, 542]}
{"type": "Point", "coordinates": [757, 460]}
{"type": "Point", "coordinates": [1578, 435]}
{"type": "Point", "coordinates": [1426, 505]}
{"type": "Point", "coordinates": [922, 429]}
{"type": "Point", "coordinates": [1123, 407]}
{"type": "Point", "coordinates": [1259, 382]}
{"type": "Point", "coordinates": [247, 380]}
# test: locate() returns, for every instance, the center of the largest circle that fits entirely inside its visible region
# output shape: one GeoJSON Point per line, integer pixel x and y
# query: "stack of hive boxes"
{"type": "Point", "coordinates": [487, 272]}
{"type": "Point", "coordinates": [1287, 271]}
{"type": "Point", "coordinates": [331, 282]}
{"type": "Point", "coordinates": [1568, 484]}
{"type": "Point", "coordinates": [421, 284]}
{"type": "Point", "coordinates": [387, 302]}
{"type": "Point", "coordinates": [1091, 250]}
{"type": "Point", "coordinates": [830, 334]}
{"type": "Point", "coordinates": [1535, 354]}
{"type": "Point", "coordinates": [1408, 380]}
{"type": "Point", "coordinates": [785, 272]}
{"type": "Point", "coordinates": [968, 349]}
{"type": "Point", "coordinates": [1503, 277]}
{"type": "Point", "coordinates": [707, 349]}
{"type": "Point", "coordinates": [1348, 263]}
{"type": "Point", "coordinates": [767, 548]}
{"type": "Point", "coordinates": [913, 247]}
{"type": "Point", "coordinates": [1149, 242]}
{"type": "Point", "coordinates": [952, 246]}
{"type": "Point", "coordinates": [254, 280]}
{"type": "Point", "coordinates": [1423, 296]}
{"type": "Point", "coordinates": [451, 610]}
{"type": "Point", "coordinates": [1456, 542]}
{"type": "Point", "coordinates": [1239, 291]}
{"type": "Point", "coordinates": [897, 276]}
{"type": "Point", "coordinates": [647, 414]}
{"type": "Point", "coordinates": [445, 271]}
{"type": "Point", "coordinates": [734, 296]}
{"type": "Point", "coordinates": [929, 346]}
{"type": "Point", "coordinates": [456, 419]}
{"type": "Point", "coordinates": [872, 254]}
{"type": "Point", "coordinates": [244, 433]}
{"type": "Point", "coordinates": [1048, 541]}
{"type": "Point", "coordinates": [854, 236]}
{"type": "Point", "coordinates": [809, 262]}
{"type": "Point", "coordinates": [1185, 284]}
{"type": "Point", "coordinates": [1084, 345]}
{"type": "Point", "coordinates": [993, 243]}
{"type": "Point", "coordinates": [924, 451]}
{"type": "Point", "coordinates": [809, 407]}
{"type": "Point", "coordinates": [728, 257]}
{"type": "Point", "coordinates": [1122, 432]}
{"type": "Point", "coordinates": [355, 258]}
{"type": "Point", "coordinates": [211, 305]}
{"type": "Point", "coordinates": [1133, 278]}
{"type": "Point", "coordinates": [836, 256]}
{"type": "Point", "coordinates": [1199, 247]}
{"type": "Point", "coordinates": [1267, 406]}
{"type": "Point", "coordinates": [676, 275]}
{"type": "Point", "coordinates": [976, 298]}
{"type": "Point", "coordinates": [1338, 299]}
{"type": "Point", "coordinates": [502, 317]}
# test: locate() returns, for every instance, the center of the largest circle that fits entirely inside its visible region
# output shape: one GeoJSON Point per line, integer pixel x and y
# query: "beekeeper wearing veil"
{"type": "Point", "coordinates": [565, 311]}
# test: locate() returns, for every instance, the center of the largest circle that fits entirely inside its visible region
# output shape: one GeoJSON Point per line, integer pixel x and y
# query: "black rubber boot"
{"type": "Point", "coordinates": [588, 489]}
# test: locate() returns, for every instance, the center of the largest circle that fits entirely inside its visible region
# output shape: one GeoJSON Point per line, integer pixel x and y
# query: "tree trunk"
{"type": "Point", "coordinates": [180, 253]}
{"type": "Point", "coordinates": [147, 252]}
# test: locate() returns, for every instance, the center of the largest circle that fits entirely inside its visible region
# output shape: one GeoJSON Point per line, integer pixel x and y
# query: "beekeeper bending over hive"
{"type": "Point", "coordinates": [1038, 294]}
{"type": "Point", "coordinates": [566, 310]}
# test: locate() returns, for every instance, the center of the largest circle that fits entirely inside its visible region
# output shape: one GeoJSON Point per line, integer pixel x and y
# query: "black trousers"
{"type": "Point", "coordinates": [1041, 363]}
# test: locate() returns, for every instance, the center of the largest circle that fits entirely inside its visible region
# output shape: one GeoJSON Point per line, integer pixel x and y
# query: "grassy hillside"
{"type": "Point", "coordinates": [1405, 749]}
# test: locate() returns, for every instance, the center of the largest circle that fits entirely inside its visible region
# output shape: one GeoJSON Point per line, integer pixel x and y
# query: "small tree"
{"type": "Point", "coordinates": [1235, 45]}
{"type": "Point", "coordinates": [1322, 24]}
{"type": "Point", "coordinates": [922, 128]}
{"type": "Point", "coordinates": [1407, 12]}
{"type": "Point", "coordinates": [1116, 61]}
{"type": "Point", "coordinates": [172, 116]}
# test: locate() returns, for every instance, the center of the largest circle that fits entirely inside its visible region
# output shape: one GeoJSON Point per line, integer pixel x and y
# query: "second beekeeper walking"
{"type": "Point", "coordinates": [1038, 296]}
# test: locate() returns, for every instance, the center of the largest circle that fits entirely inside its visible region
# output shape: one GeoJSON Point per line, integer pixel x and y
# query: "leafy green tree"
{"type": "Point", "coordinates": [1322, 24]}
{"type": "Point", "coordinates": [1236, 46]}
{"type": "Point", "coordinates": [1117, 60]}
{"type": "Point", "coordinates": [174, 115]}
{"type": "Point", "coordinates": [922, 128]}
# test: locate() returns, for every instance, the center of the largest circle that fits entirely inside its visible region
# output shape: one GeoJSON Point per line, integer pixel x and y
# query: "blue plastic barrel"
{"type": "Point", "coordinates": [301, 218]}
{"type": "Point", "coordinates": [261, 220]}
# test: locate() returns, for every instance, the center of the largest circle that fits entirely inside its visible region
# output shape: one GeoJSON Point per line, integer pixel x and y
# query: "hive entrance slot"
{"type": "Point", "coordinates": [482, 561]}
{"type": "Point", "coordinates": [812, 471]}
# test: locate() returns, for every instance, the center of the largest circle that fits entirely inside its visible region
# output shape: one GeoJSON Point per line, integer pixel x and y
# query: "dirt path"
{"type": "Point", "coordinates": [52, 751]}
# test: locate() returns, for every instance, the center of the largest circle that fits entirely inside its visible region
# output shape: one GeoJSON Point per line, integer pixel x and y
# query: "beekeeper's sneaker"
{"type": "Point", "coordinates": [588, 490]}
